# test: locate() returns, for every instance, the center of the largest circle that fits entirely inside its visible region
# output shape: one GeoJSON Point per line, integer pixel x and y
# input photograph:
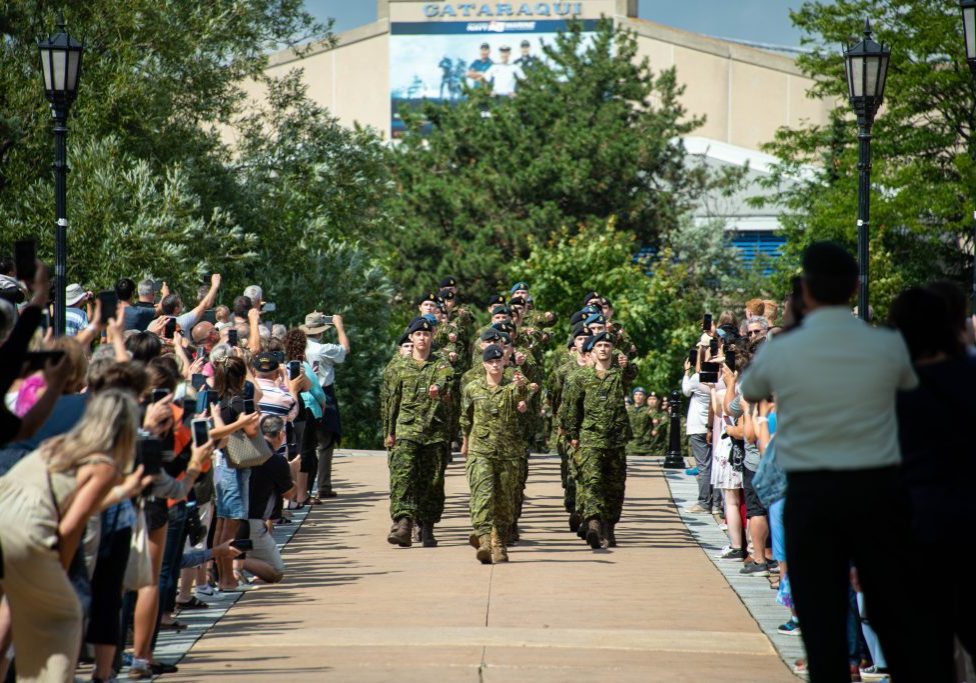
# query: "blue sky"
{"type": "Point", "coordinates": [765, 21]}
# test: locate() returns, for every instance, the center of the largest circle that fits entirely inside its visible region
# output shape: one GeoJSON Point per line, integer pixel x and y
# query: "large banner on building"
{"type": "Point", "coordinates": [439, 60]}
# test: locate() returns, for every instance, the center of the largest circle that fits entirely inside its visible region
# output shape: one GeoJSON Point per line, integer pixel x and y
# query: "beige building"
{"type": "Point", "coordinates": [745, 93]}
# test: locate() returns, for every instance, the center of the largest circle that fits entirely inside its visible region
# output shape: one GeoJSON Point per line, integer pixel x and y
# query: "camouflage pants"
{"type": "Point", "coordinates": [567, 474]}
{"type": "Point", "coordinates": [602, 475]}
{"type": "Point", "coordinates": [417, 481]}
{"type": "Point", "coordinates": [523, 478]}
{"type": "Point", "coordinates": [494, 484]}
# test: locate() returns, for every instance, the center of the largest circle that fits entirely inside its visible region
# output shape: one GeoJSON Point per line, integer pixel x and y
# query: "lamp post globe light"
{"type": "Point", "coordinates": [61, 65]}
{"type": "Point", "coordinates": [968, 9]}
{"type": "Point", "coordinates": [867, 71]}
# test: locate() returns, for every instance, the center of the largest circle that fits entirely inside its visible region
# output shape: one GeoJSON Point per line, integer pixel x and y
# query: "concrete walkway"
{"type": "Point", "coordinates": [353, 608]}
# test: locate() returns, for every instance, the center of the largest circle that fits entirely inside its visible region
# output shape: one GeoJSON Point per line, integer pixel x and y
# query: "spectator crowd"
{"type": "Point", "coordinates": [835, 455]}
{"type": "Point", "coordinates": [145, 458]}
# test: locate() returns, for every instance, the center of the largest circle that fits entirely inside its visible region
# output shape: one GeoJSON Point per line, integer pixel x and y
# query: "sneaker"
{"type": "Point", "coordinates": [790, 628]}
{"type": "Point", "coordinates": [730, 553]}
{"type": "Point", "coordinates": [692, 471]}
{"type": "Point", "coordinates": [754, 569]}
{"type": "Point", "coordinates": [696, 509]}
{"type": "Point", "coordinates": [773, 566]}
{"type": "Point", "coordinates": [206, 591]}
{"type": "Point", "coordinates": [723, 526]}
{"type": "Point", "coordinates": [874, 673]}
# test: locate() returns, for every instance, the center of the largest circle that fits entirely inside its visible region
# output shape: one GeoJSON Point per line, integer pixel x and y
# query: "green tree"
{"type": "Point", "coordinates": [589, 136]}
{"type": "Point", "coordinates": [923, 174]}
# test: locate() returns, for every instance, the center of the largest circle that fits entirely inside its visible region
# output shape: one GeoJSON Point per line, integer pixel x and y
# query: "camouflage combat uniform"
{"type": "Point", "coordinates": [642, 426]}
{"type": "Point", "coordinates": [490, 421]}
{"type": "Point", "coordinates": [593, 413]}
{"type": "Point", "coordinates": [420, 424]}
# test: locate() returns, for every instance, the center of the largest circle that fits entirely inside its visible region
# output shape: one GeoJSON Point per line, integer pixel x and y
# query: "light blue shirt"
{"type": "Point", "coordinates": [75, 320]}
{"type": "Point", "coordinates": [835, 380]}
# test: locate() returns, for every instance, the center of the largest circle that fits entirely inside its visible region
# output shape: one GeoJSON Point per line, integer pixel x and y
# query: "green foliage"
{"type": "Point", "coordinates": [662, 312]}
{"type": "Point", "coordinates": [922, 176]}
{"type": "Point", "coordinates": [589, 137]}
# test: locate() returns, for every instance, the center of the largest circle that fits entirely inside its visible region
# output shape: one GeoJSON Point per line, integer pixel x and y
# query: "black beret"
{"type": "Point", "coordinates": [426, 296]}
{"type": "Point", "coordinates": [449, 281]}
{"type": "Point", "coordinates": [445, 294]}
{"type": "Point", "coordinates": [579, 330]}
{"type": "Point", "coordinates": [592, 341]}
{"type": "Point", "coordinates": [517, 301]}
{"type": "Point", "coordinates": [499, 310]}
{"type": "Point", "coordinates": [604, 301]}
{"type": "Point", "coordinates": [492, 352]}
{"type": "Point", "coordinates": [505, 338]}
{"type": "Point", "coordinates": [420, 324]}
{"type": "Point", "coordinates": [491, 334]}
{"type": "Point", "coordinates": [589, 297]}
{"type": "Point", "coordinates": [404, 339]}
{"type": "Point", "coordinates": [495, 299]}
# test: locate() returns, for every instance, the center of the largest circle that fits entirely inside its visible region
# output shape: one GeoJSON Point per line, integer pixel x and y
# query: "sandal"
{"type": "Point", "coordinates": [313, 500]}
{"type": "Point", "coordinates": [172, 626]}
{"type": "Point", "coordinates": [193, 603]}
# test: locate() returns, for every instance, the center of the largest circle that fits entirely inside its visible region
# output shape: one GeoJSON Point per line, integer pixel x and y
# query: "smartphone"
{"type": "Point", "coordinates": [248, 406]}
{"type": "Point", "coordinates": [158, 395]}
{"type": "Point", "coordinates": [210, 316]}
{"type": "Point", "coordinates": [326, 319]}
{"type": "Point", "coordinates": [693, 357]}
{"type": "Point", "coordinates": [232, 336]}
{"type": "Point", "coordinates": [149, 454]}
{"type": "Point", "coordinates": [25, 259]}
{"type": "Point", "coordinates": [713, 346]}
{"type": "Point", "coordinates": [278, 356]}
{"type": "Point", "coordinates": [268, 308]}
{"type": "Point", "coordinates": [707, 323]}
{"type": "Point", "coordinates": [242, 544]}
{"type": "Point", "coordinates": [294, 368]}
{"type": "Point", "coordinates": [170, 328]}
{"type": "Point", "coordinates": [709, 373]}
{"type": "Point", "coordinates": [248, 389]}
{"type": "Point", "coordinates": [198, 381]}
{"type": "Point", "coordinates": [730, 359]}
{"type": "Point", "coordinates": [201, 431]}
{"type": "Point", "coordinates": [109, 299]}
{"type": "Point", "coordinates": [36, 360]}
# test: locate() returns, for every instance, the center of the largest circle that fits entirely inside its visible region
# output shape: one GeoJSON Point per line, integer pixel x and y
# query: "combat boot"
{"type": "Point", "coordinates": [418, 525]}
{"type": "Point", "coordinates": [499, 553]}
{"type": "Point", "coordinates": [401, 535]}
{"type": "Point", "coordinates": [474, 540]}
{"type": "Point", "coordinates": [483, 544]}
{"type": "Point", "coordinates": [574, 521]}
{"type": "Point", "coordinates": [594, 534]}
{"type": "Point", "coordinates": [427, 535]}
{"type": "Point", "coordinates": [513, 535]}
{"type": "Point", "coordinates": [611, 538]}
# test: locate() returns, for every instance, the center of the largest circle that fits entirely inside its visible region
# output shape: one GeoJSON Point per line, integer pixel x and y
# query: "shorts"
{"type": "Point", "coordinates": [157, 513]}
{"type": "Point", "coordinates": [265, 548]}
{"type": "Point", "coordinates": [754, 506]}
{"type": "Point", "coordinates": [776, 529]}
{"type": "Point", "coordinates": [232, 489]}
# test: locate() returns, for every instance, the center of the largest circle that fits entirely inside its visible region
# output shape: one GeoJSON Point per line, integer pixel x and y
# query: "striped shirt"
{"type": "Point", "coordinates": [276, 400]}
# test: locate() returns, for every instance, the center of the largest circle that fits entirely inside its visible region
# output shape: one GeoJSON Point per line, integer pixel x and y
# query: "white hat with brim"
{"type": "Point", "coordinates": [74, 294]}
{"type": "Point", "coordinates": [314, 323]}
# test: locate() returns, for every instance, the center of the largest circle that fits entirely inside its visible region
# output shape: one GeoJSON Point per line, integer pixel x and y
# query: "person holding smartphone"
{"type": "Point", "coordinates": [698, 430]}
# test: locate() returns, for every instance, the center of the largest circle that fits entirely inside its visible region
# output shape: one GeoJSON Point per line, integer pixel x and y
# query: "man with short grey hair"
{"type": "Point", "coordinates": [142, 312]}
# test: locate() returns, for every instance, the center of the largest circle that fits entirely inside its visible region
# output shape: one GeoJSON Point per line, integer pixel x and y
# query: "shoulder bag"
{"type": "Point", "coordinates": [243, 451]}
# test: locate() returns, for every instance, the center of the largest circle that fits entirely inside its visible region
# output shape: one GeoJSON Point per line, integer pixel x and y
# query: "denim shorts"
{"type": "Point", "coordinates": [232, 489]}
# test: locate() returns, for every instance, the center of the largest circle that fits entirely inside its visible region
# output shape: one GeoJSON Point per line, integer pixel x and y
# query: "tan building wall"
{"type": "Point", "coordinates": [744, 93]}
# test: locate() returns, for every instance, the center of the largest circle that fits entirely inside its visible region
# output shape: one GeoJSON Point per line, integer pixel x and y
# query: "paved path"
{"type": "Point", "coordinates": [353, 608]}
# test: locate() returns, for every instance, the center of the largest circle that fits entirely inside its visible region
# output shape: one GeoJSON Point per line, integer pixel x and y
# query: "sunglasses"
{"type": "Point", "coordinates": [754, 332]}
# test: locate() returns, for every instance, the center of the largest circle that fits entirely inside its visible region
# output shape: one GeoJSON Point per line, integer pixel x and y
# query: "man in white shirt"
{"type": "Point", "coordinates": [835, 381]}
{"type": "Point", "coordinates": [324, 358]}
{"type": "Point", "coordinates": [697, 428]}
{"type": "Point", "coordinates": [502, 75]}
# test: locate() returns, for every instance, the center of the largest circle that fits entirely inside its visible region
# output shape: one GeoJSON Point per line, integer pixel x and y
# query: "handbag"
{"type": "Point", "coordinates": [195, 531]}
{"type": "Point", "coordinates": [243, 451]}
{"type": "Point", "coordinates": [738, 455]}
{"type": "Point", "coordinates": [770, 479]}
{"type": "Point", "coordinates": [138, 569]}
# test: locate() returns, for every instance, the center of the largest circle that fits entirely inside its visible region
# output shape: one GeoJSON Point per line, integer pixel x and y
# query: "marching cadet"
{"type": "Point", "coordinates": [642, 425]}
{"type": "Point", "coordinates": [490, 425]}
{"type": "Point", "coordinates": [417, 424]}
{"type": "Point", "coordinates": [594, 417]}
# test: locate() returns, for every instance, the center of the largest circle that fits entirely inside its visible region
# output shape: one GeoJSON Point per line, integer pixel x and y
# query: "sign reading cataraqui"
{"type": "Point", "coordinates": [438, 53]}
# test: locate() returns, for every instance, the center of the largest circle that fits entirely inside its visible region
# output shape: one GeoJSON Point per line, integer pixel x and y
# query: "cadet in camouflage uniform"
{"type": "Point", "coordinates": [642, 425]}
{"type": "Point", "coordinates": [416, 427]}
{"type": "Point", "coordinates": [490, 423]}
{"type": "Point", "coordinates": [659, 437]}
{"type": "Point", "coordinates": [594, 417]}
{"type": "Point", "coordinates": [557, 381]}
{"type": "Point", "coordinates": [404, 350]}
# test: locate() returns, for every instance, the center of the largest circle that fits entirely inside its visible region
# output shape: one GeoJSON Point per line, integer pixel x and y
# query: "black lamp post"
{"type": "Point", "coordinates": [968, 8]}
{"type": "Point", "coordinates": [673, 459]}
{"type": "Point", "coordinates": [867, 70]}
{"type": "Point", "coordinates": [61, 65]}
